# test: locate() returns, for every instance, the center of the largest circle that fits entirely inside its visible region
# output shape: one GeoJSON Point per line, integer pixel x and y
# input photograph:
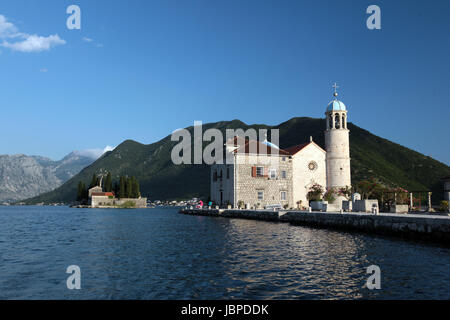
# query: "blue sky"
{"type": "Point", "coordinates": [141, 69]}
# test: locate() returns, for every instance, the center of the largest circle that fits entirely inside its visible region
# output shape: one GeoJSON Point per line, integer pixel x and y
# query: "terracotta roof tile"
{"type": "Point", "coordinates": [252, 146]}
{"type": "Point", "coordinates": [294, 149]}
{"type": "Point", "coordinates": [103, 194]}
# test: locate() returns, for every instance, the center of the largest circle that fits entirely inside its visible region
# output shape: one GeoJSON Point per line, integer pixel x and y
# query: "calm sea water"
{"type": "Point", "coordinates": [160, 254]}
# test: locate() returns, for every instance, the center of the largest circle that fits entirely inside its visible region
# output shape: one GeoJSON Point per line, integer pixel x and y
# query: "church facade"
{"type": "Point", "coordinates": [263, 175]}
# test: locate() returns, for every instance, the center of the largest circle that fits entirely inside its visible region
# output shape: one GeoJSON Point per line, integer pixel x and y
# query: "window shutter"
{"type": "Point", "coordinates": [253, 171]}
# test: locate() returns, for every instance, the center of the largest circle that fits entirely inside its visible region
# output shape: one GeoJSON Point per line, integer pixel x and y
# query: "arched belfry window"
{"type": "Point", "coordinates": [337, 121]}
{"type": "Point", "coordinates": [344, 121]}
{"type": "Point", "coordinates": [330, 121]}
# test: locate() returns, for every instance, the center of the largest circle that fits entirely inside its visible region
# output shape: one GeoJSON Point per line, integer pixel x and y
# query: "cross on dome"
{"type": "Point", "coordinates": [335, 104]}
{"type": "Point", "coordinates": [335, 86]}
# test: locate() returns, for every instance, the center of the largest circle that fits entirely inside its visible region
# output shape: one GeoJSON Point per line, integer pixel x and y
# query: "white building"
{"type": "Point", "coordinates": [261, 174]}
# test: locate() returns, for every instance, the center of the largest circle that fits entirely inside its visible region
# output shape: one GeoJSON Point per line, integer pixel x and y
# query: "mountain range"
{"type": "Point", "coordinates": [371, 156]}
{"type": "Point", "coordinates": [24, 176]}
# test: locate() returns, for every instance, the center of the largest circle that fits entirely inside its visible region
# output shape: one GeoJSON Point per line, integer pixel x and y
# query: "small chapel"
{"type": "Point", "coordinates": [262, 175]}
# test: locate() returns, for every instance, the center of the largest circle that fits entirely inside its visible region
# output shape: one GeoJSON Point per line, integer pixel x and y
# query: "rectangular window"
{"type": "Point", "coordinates": [283, 174]}
{"type": "Point", "coordinates": [283, 158]}
{"type": "Point", "coordinates": [260, 194]}
{"type": "Point", "coordinates": [273, 173]}
{"type": "Point", "coordinates": [283, 195]}
{"type": "Point", "coordinates": [260, 171]}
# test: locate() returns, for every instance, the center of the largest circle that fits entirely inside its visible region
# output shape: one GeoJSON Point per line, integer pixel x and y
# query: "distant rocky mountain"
{"type": "Point", "coordinates": [24, 176]}
{"type": "Point", "coordinates": [371, 156]}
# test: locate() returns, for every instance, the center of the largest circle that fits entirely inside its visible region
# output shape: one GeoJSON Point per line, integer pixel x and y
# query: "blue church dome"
{"type": "Point", "coordinates": [336, 105]}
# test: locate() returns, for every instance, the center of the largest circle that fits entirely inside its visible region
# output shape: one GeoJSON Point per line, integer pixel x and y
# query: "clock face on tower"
{"type": "Point", "coordinates": [312, 166]}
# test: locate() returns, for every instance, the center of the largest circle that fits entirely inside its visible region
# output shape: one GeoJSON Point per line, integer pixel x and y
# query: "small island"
{"type": "Point", "coordinates": [123, 194]}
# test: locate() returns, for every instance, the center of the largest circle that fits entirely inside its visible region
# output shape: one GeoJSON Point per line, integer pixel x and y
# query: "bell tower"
{"type": "Point", "coordinates": [337, 143]}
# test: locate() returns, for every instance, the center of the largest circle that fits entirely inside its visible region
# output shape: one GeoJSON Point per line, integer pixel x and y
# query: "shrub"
{"type": "Point", "coordinates": [315, 193]}
{"type": "Point", "coordinates": [401, 195]}
{"type": "Point", "coordinates": [444, 206]}
{"type": "Point", "coordinates": [128, 204]}
{"type": "Point", "coordinates": [330, 195]}
{"type": "Point", "coordinates": [346, 192]}
{"type": "Point", "coordinates": [370, 189]}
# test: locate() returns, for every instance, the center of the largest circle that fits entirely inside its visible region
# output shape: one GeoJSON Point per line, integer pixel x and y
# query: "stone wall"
{"type": "Point", "coordinates": [419, 227]}
{"type": "Point", "coordinates": [224, 184]}
{"type": "Point", "coordinates": [105, 202]}
{"type": "Point", "coordinates": [247, 186]}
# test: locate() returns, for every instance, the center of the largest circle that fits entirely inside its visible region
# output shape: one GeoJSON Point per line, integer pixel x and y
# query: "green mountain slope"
{"type": "Point", "coordinates": [371, 155]}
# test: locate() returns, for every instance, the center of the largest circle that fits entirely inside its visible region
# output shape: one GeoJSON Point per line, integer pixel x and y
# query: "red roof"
{"type": "Point", "coordinates": [246, 145]}
{"type": "Point", "coordinates": [294, 149]}
{"type": "Point", "coordinates": [237, 140]}
{"type": "Point", "coordinates": [252, 146]}
{"type": "Point", "coordinates": [103, 194]}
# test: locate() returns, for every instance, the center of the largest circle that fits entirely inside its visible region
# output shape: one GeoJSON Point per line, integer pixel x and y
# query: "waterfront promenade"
{"type": "Point", "coordinates": [427, 227]}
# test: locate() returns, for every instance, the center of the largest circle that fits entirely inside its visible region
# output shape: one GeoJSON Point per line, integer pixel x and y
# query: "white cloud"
{"type": "Point", "coordinates": [7, 29]}
{"type": "Point", "coordinates": [43, 70]}
{"type": "Point", "coordinates": [86, 39]}
{"type": "Point", "coordinates": [34, 43]}
{"type": "Point", "coordinates": [23, 42]}
{"type": "Point", "coordinates": [94, 153]}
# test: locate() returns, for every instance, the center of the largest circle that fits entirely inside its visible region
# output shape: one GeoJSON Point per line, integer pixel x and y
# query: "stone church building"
{"type": "Point", "coordinates": [261, 174]}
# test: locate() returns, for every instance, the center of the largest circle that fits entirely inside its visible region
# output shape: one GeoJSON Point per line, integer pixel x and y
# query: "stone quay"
{"type": "Point", "coordinates": [422, 227]}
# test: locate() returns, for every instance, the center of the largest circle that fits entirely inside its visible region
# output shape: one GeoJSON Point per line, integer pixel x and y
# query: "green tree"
{"type": "Point", "coordinates": [129, 187]}
{"type": "Point", "coordinates": [94, 181]}
{"type": "Point", "coordinates": [135, 192]}
{"type": "Point", "coordinates": [138, 189]}
{"type": "Point", "coordinates": [108, 183]}
{"type": "Point", "coordinates": [370, 188]}
{"type": "Point", "coordinates": [85, 193]}
{"type": "Point", "coordinates": [122, 191]}
{"type": "Point", "coordinates": [82, 193]}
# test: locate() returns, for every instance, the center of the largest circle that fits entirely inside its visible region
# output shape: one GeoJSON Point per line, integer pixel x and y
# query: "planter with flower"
{"type": "Point", "coordinates": [314, 197]}
{"type": "Point", "coordinates": [400, 200]}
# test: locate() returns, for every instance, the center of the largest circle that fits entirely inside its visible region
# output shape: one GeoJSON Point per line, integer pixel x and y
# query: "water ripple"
{"type": "Point", "coordinates": [159, 254]}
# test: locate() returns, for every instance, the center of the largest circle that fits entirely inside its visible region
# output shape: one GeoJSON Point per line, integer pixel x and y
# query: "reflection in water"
{"type": "Point", "coordinates": [159, 254]}
{"type": "Point", "coordinates": [282, 261]}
